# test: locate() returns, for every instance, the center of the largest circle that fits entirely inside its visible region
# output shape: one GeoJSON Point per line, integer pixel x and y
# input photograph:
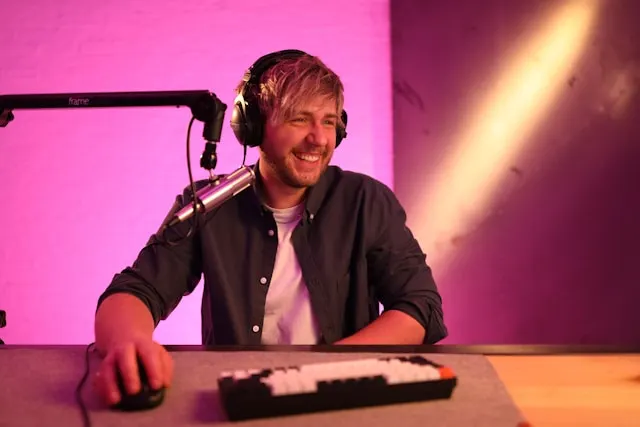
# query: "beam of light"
{"type": "Point", "coordinates": [499, 125]}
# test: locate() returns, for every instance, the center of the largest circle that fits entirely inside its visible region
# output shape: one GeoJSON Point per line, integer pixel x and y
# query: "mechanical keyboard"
{"type": "Point", "coordinates": [314, 387]}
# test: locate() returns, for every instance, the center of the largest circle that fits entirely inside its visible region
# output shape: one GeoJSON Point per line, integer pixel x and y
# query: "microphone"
{"type": "Point", "coordinates": [214, 195]}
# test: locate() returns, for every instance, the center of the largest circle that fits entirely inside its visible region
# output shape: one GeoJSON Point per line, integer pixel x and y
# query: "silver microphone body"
{"type": "Point", "coordinates": [213, 195]}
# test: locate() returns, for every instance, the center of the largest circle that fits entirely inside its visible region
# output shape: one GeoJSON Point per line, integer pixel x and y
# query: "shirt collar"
{"type": "Point", "coordinates": [313, 200]}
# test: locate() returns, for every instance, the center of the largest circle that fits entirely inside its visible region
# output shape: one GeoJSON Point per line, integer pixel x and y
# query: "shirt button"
{"type": "Point", "coordinates": [263, 280]}
{"type": "Point", "coordinates": [311, 217]}
{"type": "Point", "coordinates": [255, 328]}
{"type": "Point", "coordinates": [271, 233]}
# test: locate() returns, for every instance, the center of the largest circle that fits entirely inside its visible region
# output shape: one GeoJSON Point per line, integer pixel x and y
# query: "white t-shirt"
{"type": "Point", "coordinates": [288, 317]}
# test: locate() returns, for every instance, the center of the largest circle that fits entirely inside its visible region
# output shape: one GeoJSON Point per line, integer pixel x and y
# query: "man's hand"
{"type": "Point", "coordinates": [124, 330]}
{"type": "Point", "coordinates": [122, 357]}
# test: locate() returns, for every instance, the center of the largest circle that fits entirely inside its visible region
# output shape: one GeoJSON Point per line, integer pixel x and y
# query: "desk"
{"type": "Point", "coordinates": [498, 386]}
{"type": "Point", "coordinates": [574, 389]}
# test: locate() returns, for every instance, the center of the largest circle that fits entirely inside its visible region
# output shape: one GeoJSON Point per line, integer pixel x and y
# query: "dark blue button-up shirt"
{"type": "Point", "coordinates": [354, 249]}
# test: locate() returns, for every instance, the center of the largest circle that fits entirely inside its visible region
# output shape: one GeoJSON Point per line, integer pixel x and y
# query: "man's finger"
{"type": "Point", "coordinates": [167, 366]}
{"type": "Point", "coordinates": [106, 381]}
{"type": "Point", "coordinates": [152, 365]}
{"type": "Point", "coordinates": [127, 363]}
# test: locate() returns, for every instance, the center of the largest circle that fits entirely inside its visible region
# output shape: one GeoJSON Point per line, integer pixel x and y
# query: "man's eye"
{"type": "Point", "coordinates": [299, 119]}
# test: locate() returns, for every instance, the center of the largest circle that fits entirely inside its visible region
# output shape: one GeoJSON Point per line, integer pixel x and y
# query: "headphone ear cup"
{"type": "Point", "coordinates": [340, 135]}
{"type": "Point", "coordinates": [341, 131]}
{"type": "Point", "coordinates": [245, 122]}
{"type": "Point", "coordinates": [254, 124]}
{"type": "Point", "coordinates": [238, 122]}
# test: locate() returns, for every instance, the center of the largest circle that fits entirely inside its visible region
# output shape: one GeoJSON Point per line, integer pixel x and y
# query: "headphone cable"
{"type": "Point", "coordinates": [244, 155]}
{"type": "Point", "coordinates": [161, 234]}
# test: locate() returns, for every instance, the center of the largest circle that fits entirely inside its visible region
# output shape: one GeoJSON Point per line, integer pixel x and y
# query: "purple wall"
{"type": "Point", "coordinates": [517, 150]}
{"type": "Point", "coordinates": [82, 190]}
{"type": "Point", "coordinates": [517, 156]}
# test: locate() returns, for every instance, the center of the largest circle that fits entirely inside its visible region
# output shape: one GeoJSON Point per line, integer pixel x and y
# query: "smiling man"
{"type": "Point", "coordinates": [306, 256]}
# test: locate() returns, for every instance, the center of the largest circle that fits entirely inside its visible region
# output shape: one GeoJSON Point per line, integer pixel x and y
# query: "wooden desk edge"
{"type": "Point", "coordinates": [443, 349]}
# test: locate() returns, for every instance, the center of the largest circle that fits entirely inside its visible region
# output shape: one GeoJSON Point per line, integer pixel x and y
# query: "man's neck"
{"type": "Point", "coordinates": [278, 195]}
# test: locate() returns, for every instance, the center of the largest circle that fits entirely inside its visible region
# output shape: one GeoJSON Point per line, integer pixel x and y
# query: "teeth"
{"type": "Point", "coordinates": [308, 157]}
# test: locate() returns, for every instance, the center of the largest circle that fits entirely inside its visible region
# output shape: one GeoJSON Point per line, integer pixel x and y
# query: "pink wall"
{"type": "Point", "coordinates": [83, 189]}
{"type": "Point", "coordinates": [517, 156]}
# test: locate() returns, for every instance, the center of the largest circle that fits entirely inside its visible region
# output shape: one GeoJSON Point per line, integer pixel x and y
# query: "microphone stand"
{"type": "Point", "coordinates": [205, 107]}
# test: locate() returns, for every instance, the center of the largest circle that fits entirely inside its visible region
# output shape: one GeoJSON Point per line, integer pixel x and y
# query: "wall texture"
{"type": "Point", "coordinates": [517, 156]}
{"type": "Point", "coordinates": [83, 189]}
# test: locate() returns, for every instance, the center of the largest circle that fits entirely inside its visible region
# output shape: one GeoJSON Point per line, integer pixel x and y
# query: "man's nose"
{"type": "Point", "coordinates": [317, 134]}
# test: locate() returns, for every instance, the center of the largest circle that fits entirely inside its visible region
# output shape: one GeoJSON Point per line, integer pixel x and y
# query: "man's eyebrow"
{"type": "Point", "coordinates": [326, 116]}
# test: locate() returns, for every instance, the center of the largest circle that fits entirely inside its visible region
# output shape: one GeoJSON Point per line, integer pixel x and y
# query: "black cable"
{"type": "Point", "coordinates": [191, 183]}
{"type": "Point", "coordinates": [244, 154]}
{"type": "Point", "coordinates": [83, 409]}
{"type": "Point", "coordinates": [194, 198]}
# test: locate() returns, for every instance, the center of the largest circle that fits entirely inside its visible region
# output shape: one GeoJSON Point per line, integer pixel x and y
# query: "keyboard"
{"type": "Point", "coordinates": [260, 393]}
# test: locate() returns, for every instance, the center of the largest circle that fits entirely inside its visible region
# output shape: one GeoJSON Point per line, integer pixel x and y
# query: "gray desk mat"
{"type": "Point", "coordinates": [37, 388]}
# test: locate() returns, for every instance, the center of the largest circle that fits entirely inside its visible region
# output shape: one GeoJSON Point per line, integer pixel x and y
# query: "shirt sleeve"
{"type": "Point", "coordinates": [167, 268]}
{"type": "Point", "coordinates": [397, 266]}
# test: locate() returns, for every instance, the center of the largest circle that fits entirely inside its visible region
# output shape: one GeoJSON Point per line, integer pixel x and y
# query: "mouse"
{"type": "Point", "coordinates": [146, 398]}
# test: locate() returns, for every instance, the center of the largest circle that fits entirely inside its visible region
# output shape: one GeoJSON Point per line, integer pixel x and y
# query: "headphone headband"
{"type": "Point", "coordinates": [262, 64]}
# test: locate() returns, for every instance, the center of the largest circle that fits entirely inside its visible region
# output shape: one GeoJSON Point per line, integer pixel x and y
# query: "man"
{"type": "Point", "coordinates": [304, 256]}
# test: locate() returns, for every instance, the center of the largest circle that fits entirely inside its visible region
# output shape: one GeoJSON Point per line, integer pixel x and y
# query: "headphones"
{"type": "Point", "coordinates": [247, 121]}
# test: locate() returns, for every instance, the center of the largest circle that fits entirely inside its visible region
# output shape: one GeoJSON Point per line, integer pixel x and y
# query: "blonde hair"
{"type": "Point", "coordinates": [291, 83]}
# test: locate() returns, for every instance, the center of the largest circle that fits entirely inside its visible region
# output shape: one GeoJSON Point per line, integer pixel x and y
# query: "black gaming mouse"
{"type": "Point", "coordinates": [146, 398]}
